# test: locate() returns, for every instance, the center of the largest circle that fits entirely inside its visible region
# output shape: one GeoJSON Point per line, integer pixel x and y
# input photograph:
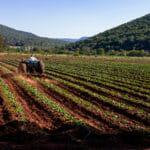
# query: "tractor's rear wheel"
{"type": "Point", "coordinates": [41, 67]}
{"type": "Point", "coordinates": [22, 68]}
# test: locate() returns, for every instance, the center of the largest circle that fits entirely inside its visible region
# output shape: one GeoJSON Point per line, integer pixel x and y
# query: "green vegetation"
{"type": "Point", "coordinates": [11, 101]}
{"type": "Point", "coordinates": [128, 39]}
{"type": "Point", "coordinates": [111, 92]}
{"type": "Point", "coordinates": [54, 106]}
{"type": "Point", "coordinates": [2, 44]}
{"type": "Point", "coordinates": [24, 39]}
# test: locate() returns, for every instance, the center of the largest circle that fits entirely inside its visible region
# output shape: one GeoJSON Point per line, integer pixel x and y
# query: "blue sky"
{"type": "Point", "coordinates": [69, 18]}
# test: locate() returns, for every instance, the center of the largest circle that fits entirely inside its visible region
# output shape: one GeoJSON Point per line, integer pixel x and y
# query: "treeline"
{"type": "Point", "coordinates": [2, 44]}
{"type": "Point", "coordinates": [98, 52]}
{"type": "Point", "coordinates": [102, 52]}
{"type": "Point", "coordinates": [14, 37]}
{"type": "Point", "coordinates": [134, 35]}
{"type": "Point", "coordinates": [78, 52]}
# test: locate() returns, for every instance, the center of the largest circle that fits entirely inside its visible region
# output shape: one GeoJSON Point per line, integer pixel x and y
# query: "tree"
{"type": "Point", "coordinates": [138, 53]}
{"type": "Point", "coordinates": [113, 53]}
{"type": "Point", "coordinates": [134, 35]}
{"type": "Point", "coordinates": [77, 52]}
{"type": "Point", "coordinates": [49, 50]}
{"type": "Point", "coordinates": [85, 50]}
{"type": "Point", "coordinates": [123, 53]}
{"type": "Point", "coordinates": [37, 49]}
{"type": "Point", "coordinates": [2, 44]}
{"type": "Point", "coordinates": [100, 51]}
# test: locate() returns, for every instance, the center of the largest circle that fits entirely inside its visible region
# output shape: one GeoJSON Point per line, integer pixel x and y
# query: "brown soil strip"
{"type": "Point", "coordinates": [116, 81]}
{"type": "Point", "coordinates": [116, 98]}
{"type": "Point", "coordinates": [35, 111]}
{"type": "Point", "coordinates": [141, 106]}
{"type": "Point", "coordinates": [101, 118]}
{"type": "Point", "coordinates": [100, 105]}
{"type": "Point", "coordinates": [91, 59]}
{"type": "Point", "coordinates": [5, 115]}
{"type": "Point", "coordinates": [81, 112]}
{"type": "Point", "coordinates": [107, 73]}
{"type": "Point", "coordinates": [106, 86]}
{"type": "Point", "coordinates": [8, 67]}
{"type": "Point", "coordinates": [106, 105]}
{"type": "Point", "coordinates": [35, 84]}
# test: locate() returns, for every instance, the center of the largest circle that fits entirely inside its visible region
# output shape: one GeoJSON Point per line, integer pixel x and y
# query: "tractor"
{"type": "Point", "coordinates": [28, 67]}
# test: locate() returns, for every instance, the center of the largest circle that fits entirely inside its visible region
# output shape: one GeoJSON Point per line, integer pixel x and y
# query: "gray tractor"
{"type": "Point", "coordinates": [28, 67]}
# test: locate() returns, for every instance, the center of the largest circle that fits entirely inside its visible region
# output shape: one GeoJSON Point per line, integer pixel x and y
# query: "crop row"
{"type": "Point", "coordinates": [11, 102]}
{"type": "Point", "coordinates": [126, 97]}
{"type": "Point", "coordinates": [99, 89]}
{"type": "Point", "coordinates": [110, 115]}
{"type": "Point", "coordinates": [108, 69]}
{"type": "Point", "coordinates": [96, 73]}
{"type": "Point", "coordinates": [105, 99]}
{"type": "Point", "coordinates": [142, 92]}
{"type": "Point", "coordinates": [106, 84]}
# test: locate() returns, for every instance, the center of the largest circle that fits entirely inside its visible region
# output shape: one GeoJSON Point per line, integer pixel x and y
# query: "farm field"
{"type": "Point", "coordinates": [77, 103]}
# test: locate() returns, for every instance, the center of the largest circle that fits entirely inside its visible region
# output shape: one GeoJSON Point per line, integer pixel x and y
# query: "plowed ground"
{"type": "Point", "coordinates": [47, 129]}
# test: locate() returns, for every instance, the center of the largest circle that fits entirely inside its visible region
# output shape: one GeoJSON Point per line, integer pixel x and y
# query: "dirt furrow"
{"type": "Point", "coordinates": [34, 111]}
{"type": "Point", "coordinates": [84, 112]}
{"type": "Point", "coordinates": [8, 67]}
{"type": "Point", "coordinates": [107, 106]}
{"type": "Point", "coordinates": [5, 114]}
{"type": "Point", "coordinates": [73, 106]}
{"type": "Point", "coordinates": [141, 106]}
{"type": "Point", "coordinates": [130, 93]}
{"type": "Point", "coordinates": [133, 120]}
{"type": "Point", "coordinates": [116, 81]}
{"type": "Point", "coordinates": [144, 98]}
{"type": "Point", "coordinates": [128, 102]}
{"type": "Point", "coordinates": [76, 110]}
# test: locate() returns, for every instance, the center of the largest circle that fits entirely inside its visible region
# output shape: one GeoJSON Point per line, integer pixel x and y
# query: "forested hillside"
{"type": "Point", "coordinates": [134, 35]}
{"type": "Point", "coordinates": [19, 38]}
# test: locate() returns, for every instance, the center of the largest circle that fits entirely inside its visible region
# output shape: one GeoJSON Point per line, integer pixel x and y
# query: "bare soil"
{"type": "Point", "coordinates": [47, 129]}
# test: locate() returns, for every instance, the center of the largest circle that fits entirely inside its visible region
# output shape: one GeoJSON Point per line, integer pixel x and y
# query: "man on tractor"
{"type": "Point", "coordinates": [31, 66]}
{"type": "Point", "coordinates": [32, 58]}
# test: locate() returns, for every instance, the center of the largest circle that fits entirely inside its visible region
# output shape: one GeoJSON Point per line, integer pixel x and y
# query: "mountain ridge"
{"type": "Point", "coordinates": [14, 37]}
{"type": "Point", "coordinates": [133, 35]}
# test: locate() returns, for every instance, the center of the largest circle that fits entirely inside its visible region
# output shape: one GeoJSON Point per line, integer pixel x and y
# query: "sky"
{"type": "Point", "coordinates": [69, 18]}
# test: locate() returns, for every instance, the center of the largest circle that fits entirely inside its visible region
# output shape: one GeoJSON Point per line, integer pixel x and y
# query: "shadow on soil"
{"type": "Point", "coordinates": [8, 75]}
{"type": "Point", "coordinates": [29, 136]}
